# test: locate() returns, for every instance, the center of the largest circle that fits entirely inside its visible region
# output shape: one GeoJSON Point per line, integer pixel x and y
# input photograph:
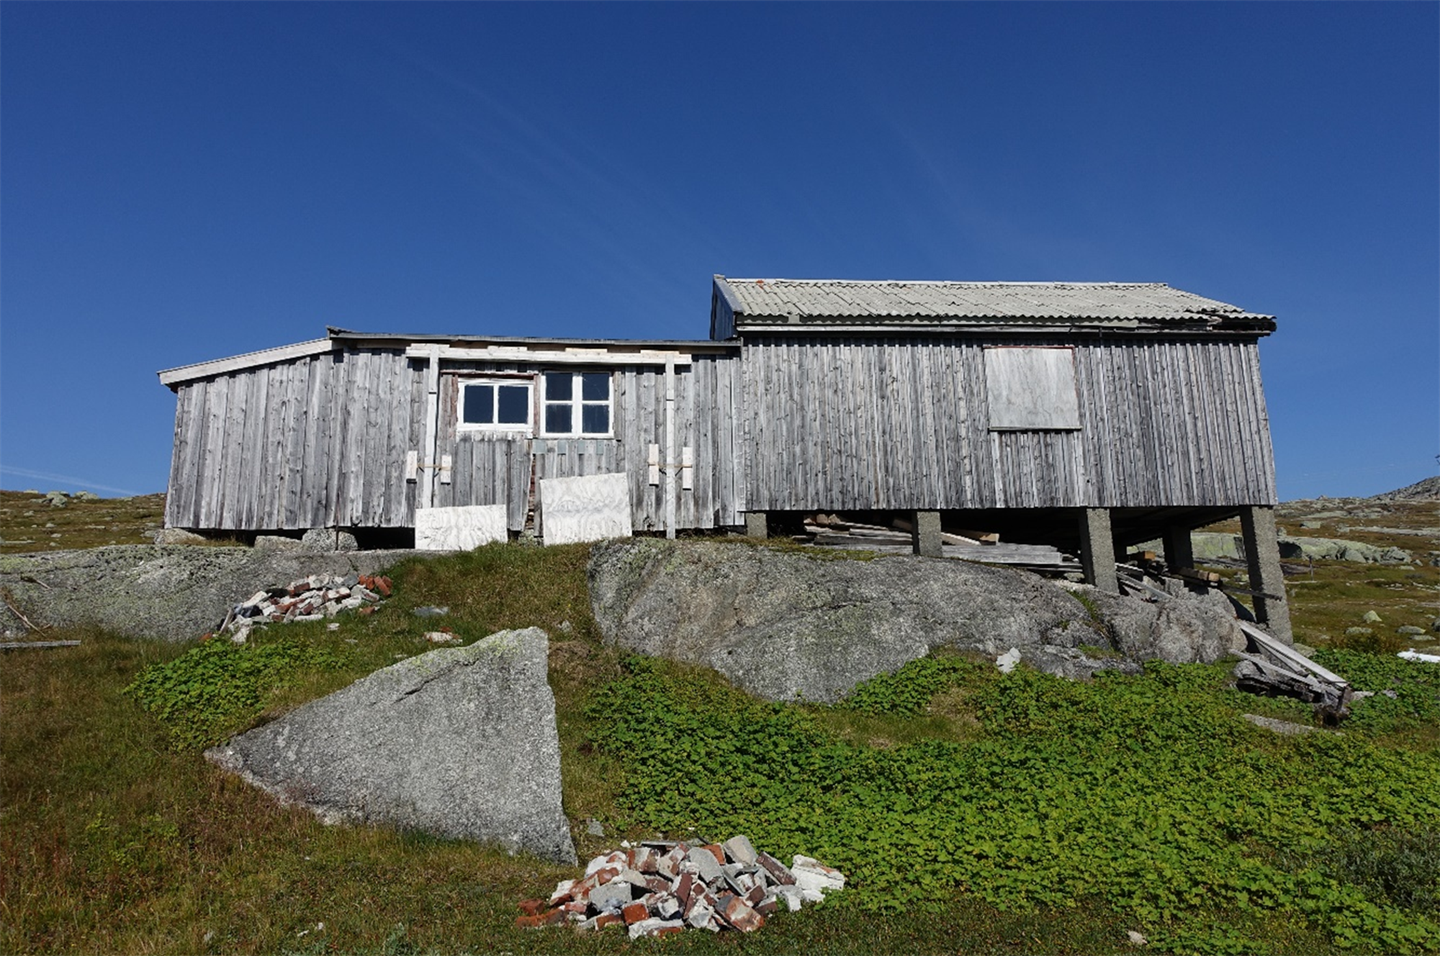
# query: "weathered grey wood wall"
{"type": "Point", "coordinates": [802, 423]}
{"type": "Point", "coordinates": [307, 443]}
{"type": "Point", "coordinates": [842, 423]}
{"type": "Point", "coordinates": [493, 469]}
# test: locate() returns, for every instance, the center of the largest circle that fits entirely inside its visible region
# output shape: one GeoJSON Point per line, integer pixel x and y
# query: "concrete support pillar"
{"type": "Point", "coordinates": [1262, 553]}
{"type": "Point", "coordinates": [1097, 550]}
{"type": "Point", "coordinates": [1178, 552]}
{"type": "Point", "coordinates": [756, 525]}
{"type": "Point", "coordinates": [925, 534]}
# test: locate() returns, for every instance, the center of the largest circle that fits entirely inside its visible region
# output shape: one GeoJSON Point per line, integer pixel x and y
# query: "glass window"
{"type": "Point", "coordinates": [479, 405]}
{"type": "Point", "coordinates": [514, 404]}
{"type": "Point", "coordinates": [496, 406]}
{"type": "Point", "coordinates": [577, 403]}
{"type": "Point", "coordinates": [558, 418]}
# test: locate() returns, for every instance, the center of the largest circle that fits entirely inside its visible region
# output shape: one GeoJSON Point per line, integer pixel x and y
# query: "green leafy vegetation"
{"type": "Point", "coordinates": [217, 688]}
{"type": "Point", "coordinates": [1148, 795]}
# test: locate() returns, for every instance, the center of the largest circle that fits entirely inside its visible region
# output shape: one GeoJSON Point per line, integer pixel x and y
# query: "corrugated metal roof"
{"type": "Point", "coordinates": [770, 300]}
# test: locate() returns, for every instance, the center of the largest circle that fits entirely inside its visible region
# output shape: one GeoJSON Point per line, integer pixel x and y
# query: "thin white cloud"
{"type": "Point", "coordinates": [82, 483]}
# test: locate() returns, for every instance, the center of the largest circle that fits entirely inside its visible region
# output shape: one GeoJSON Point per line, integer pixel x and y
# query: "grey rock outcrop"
{"type": "Point", "coordinates": [170, 593]}
{"type": "Point", "coordinates": [459, 743]}
{"type": "Point", "coordinates": [786, 625]}
{"type": "Point", "coordinates": [1207, 545]}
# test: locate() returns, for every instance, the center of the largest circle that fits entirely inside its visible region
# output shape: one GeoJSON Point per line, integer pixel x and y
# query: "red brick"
{"type": "Point", "coordinates": [383, 586]}
{"type": "Point", "coordinates": [742, 916]}
{"type": "Point", "coordinates": [717, 851]}
{"type": "Point", "coordinates": [608, 919]}
{"type": "Point", "coordinates": [635, 912]}
{"type": "Point", "coordinates": [667, 930]}
{"type": "Point", "coordinates": [576, 906]}
{"type": "Point", "coordinates": [531, 907]}
{"type": "Point", "coordinates": [682, 889]}
{"type": "Point", "coordinates": [657, 884]}
{"type": "Point", "coordinates": [552, 918]}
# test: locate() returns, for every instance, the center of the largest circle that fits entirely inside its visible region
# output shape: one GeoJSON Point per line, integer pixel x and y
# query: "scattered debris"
{"type": "Point", "coordinates": [836, 531]}
{"type": "Point", "coordinates": [431, 611]}
{"type": "Point", "coordinates": [1135, 938]}
{"type": "Point", "coordinates": [312, 598]}
{"type": "Point", "coordinates": [658, 887]}
{"type": "Point", "coordinates": [442, 636]}
{"type": "Point", "coordinates": [1414, 655]}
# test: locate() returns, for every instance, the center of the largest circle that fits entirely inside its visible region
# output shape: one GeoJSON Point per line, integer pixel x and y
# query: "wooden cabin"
{"type": "Point", "coordinates": [1088, 416]}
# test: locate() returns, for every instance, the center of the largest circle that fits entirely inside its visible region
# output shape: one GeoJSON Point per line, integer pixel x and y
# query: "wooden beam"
{"type": "Point", "coordinates": [171, 377]}
{"type": "Point", "coordinates": [569, 356]}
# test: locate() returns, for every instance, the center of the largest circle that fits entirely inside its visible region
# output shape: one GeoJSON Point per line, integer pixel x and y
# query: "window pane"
{"type": "Point", "coordinates": [595, 386]}
{"type": "Point", "coordinates": [514, 404]}
{"type": "Point", "coordinates": [557, 419]}
{"type": "Point", "coordinates": [596, 419]}
{"type": "Point", "coordinates": [559, 386]}
{"type": "Point", "coordinates": [479, 404]}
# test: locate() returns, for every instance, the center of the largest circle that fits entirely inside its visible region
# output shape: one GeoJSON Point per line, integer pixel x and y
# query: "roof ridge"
{"type": "Point", "coordinates": [954, 282]}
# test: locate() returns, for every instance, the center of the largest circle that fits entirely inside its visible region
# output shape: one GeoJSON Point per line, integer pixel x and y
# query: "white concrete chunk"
{"type": "Point", "coordinates": [459, 529]}
{"type": "Point", "coordinates": [589, 508]}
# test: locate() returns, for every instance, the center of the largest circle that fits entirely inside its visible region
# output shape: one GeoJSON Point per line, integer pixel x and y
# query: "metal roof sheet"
{"type": "Point", "coordinates": [767, 300]}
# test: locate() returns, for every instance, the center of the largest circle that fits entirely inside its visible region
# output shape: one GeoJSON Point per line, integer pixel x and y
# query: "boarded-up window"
{"type": "Point", "coordinates": [1031, 389]}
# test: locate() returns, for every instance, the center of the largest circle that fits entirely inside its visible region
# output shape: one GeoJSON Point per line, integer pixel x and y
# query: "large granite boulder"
{"type": "Point", "coordinates": [173, 593]}
{"type": "Point", "coordinates": [459, 743]}
{"type": "Point", "coordinates": [784, 625]}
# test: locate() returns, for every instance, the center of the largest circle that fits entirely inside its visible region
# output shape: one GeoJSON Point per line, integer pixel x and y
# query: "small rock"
{"type": "Point", "coordinates": [1409, 629]}
{"type": "Point", "coordinates": [1007, 661]}
{"type": "Point", "coordinates": [1135, 938]}
{"type": "Point", "coordinates": [594, 828]}
{"type": "Point", "coordinates": [328, 539]}
{"type": "Point", "coordinates": [86, 496]}
{"type": "Point", "coordinates": [437, 637]}
{"type": "Point", "coordinates": [1435, 626]}
{"type": "Point", "coordinates": [1358, 632]}
{"type": "Point", "coordinates": [173, 536]}
{"type": "Point", "coordinates": [430, 611]}
{"type": "Point", "coordinates": [1370, 617]}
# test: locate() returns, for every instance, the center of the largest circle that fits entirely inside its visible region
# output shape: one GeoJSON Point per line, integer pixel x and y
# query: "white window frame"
{"type": "Point", "coordinates": [503, 428]}
{"type": "Point", "coordinates": [577, 404]}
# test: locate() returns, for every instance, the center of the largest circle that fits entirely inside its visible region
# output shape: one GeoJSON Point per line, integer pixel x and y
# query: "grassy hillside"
{"type": "Point", "coordinates": [974, 811]}
{"type": "Point", "coordinates": [28, 522]}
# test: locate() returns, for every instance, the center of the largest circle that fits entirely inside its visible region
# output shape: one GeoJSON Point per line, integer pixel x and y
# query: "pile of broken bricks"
{"type": "Point", "coordinates": [659, 887]}
{"type": "Point", "coordinates": [312, 598]}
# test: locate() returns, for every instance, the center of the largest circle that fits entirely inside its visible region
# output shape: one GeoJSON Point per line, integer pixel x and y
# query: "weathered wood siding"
{"type": "Point", "coordinates": [494, 469]}
{"type": "Point", "coordinates": [312, 442]}
{"type": "Point", "coordinates": [842, 423]}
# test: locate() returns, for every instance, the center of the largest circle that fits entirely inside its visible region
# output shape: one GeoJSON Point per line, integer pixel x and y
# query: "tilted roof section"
{"type": "Point", "coordinates": [846, 302]}
{"type": "Point", "coordinates": [338, 339]}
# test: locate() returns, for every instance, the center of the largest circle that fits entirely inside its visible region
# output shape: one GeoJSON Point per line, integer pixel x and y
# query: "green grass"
{"type": "Point", "coordinates": [1126, 804]}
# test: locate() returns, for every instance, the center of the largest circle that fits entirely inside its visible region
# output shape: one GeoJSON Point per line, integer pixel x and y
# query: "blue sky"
{"type": "Point", "coordinates": [181, 182]}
